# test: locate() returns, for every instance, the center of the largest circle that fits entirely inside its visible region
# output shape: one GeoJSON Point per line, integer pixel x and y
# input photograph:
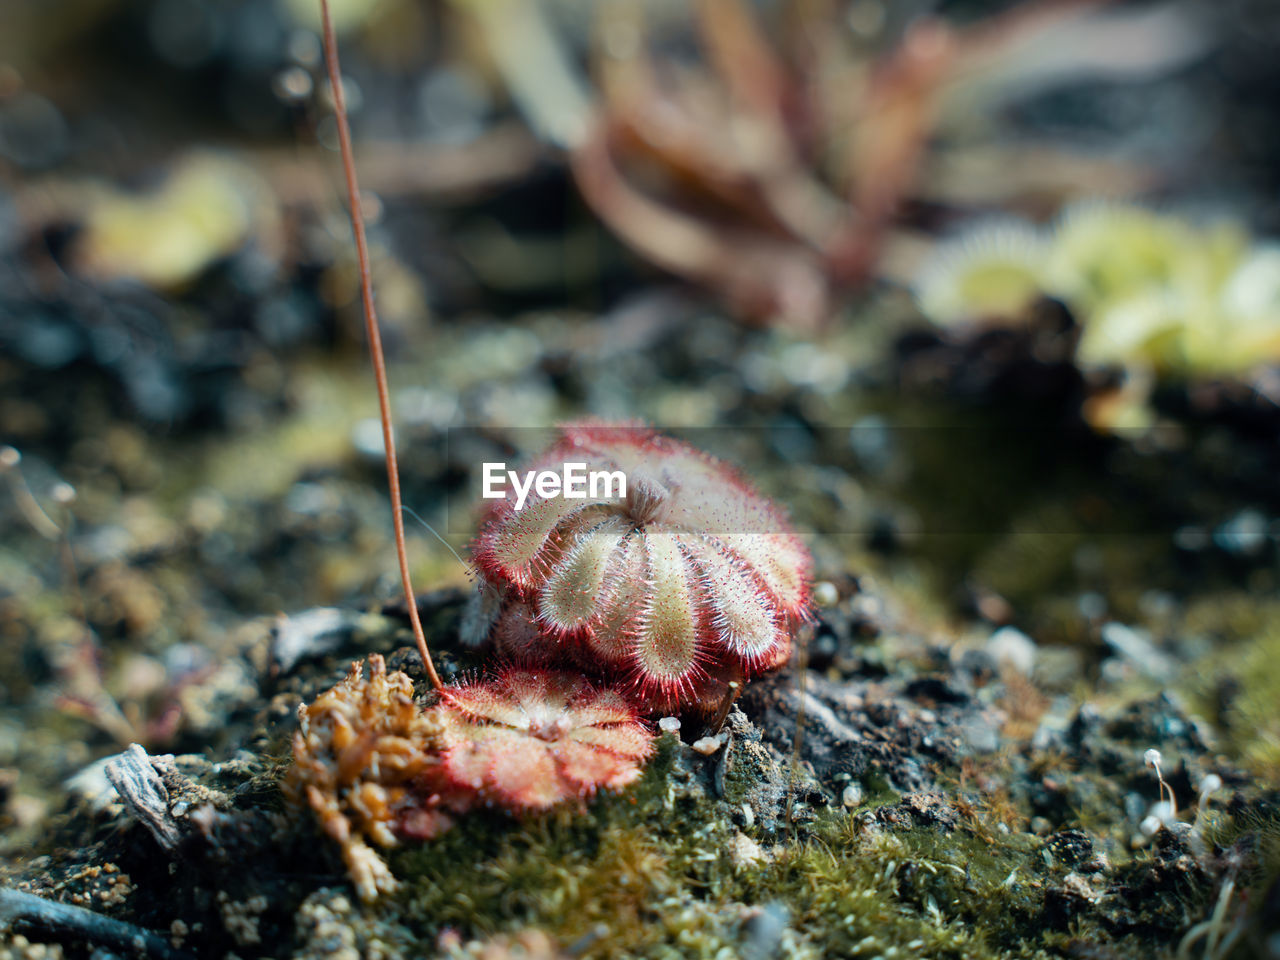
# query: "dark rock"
{"type": "Point", "coordinates": [935, 690]}
{"type": "Point", "coordinates": [1070, 847]}
{"type": "Point", "coordinates": [914, 810]}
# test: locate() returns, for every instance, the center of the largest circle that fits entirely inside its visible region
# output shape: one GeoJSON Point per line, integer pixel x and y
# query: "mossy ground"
{"type": "Point", "coordinates": [670, 875]}
{"type": "Point", "coordinates": [667, 876]}
{"type": "Point", "coordinates": [1007, 765]}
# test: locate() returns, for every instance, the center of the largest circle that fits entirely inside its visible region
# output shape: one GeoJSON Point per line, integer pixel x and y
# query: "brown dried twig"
{"type": "Point", "coordinates": [65, 923]}
{"type": "Point", "coordinates": [375, 339]}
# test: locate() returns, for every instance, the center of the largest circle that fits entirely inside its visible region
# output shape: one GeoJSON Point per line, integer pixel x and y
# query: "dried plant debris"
{"type": "Point", "coordinates": [374, 766]}
{"type": "Point", "coordinates": [359, 748]}
{"type": "Point", "coordinates": [69, 924]}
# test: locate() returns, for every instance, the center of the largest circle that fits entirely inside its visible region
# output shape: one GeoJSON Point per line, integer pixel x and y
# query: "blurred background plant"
{"type": "Point", "coordinates": [1157, 297]}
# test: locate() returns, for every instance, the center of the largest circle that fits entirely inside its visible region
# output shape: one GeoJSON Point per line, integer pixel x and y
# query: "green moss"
{"type": "Point", "coordinates": [1230, 616]}
{"type": "Point", "coordinates": [1257, 830]}
{"type": "Point", "coordinates": [632, 862]}
{"type": "Point", "coordinates": [1252, 718]}
{"type": "Point", "coordinates": [667, 874]}
{"type": "Point", "coordinates": [1241, 692]}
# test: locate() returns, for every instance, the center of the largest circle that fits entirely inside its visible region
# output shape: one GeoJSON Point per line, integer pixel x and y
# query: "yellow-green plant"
{"type": "Point", "coordinates": [1156, 294]}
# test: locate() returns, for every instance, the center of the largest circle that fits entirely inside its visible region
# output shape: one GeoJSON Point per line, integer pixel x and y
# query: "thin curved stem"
{"type": "Point", "coordinates": [375, 339]}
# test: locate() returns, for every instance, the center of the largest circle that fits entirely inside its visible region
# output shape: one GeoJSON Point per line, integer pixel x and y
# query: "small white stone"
{"type": "Point", "coordinates": [366, 437]}
{"type": "Point", "coordinates": [1011, 646]}
{"type": "Point", "coordinates": [825, 594]}
{"type": "Point", "coordinates": [1135, 648]}
{"type": "Point", "coordinates": [852, 795]}
{"type": "Point", "coordinates": [669, 725]}
{"type": "Point", "coordinates": [707, 745]}
{"type": "Point", "coordinates": [92, 785]}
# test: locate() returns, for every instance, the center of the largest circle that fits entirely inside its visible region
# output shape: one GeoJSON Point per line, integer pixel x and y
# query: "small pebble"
{"type": "Point", "coordinates": [707, 745]}
{"type": "Point", "coordinates": [1011, 646]}
{"type": "Point", "coordinates": [1245, 533]}
{"type": "Point", "coordinates": [1134, 647]}
{"type": "Point", "coordinates": [669, 725]}
{"type": "Point", "coordinates": [825, 594]}
{"type": "Point", "coordinates": [852, 795]}
{"type": "Point", "coordinates": [366, 437]}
